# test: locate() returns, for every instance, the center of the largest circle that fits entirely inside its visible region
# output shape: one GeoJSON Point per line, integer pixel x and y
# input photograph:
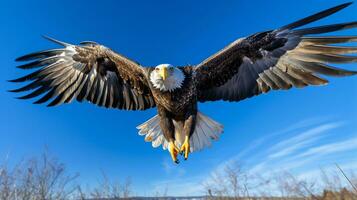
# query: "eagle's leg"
{"type": "Point", "coordinates": [168, 129]}
{"type": "Point", "coordinates": [169, 134]}
{"type": "Point", "coordinates": [188, 129]}
{"type": "Point", "coordinates": [174, 151]}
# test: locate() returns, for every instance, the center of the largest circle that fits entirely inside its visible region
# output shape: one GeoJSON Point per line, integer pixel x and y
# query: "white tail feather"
{"type": "Point", "coordinates": [206, 130]}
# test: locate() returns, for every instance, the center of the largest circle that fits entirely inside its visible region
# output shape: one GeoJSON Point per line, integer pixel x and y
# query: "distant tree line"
{"type": "Point", "coordinates": [45, 178]}
{"type": "Point", "coordinates": [235, 183]}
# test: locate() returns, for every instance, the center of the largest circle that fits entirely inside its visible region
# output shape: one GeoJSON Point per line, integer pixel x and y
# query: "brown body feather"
{"type": "Point", "coordinates": [179, 105]}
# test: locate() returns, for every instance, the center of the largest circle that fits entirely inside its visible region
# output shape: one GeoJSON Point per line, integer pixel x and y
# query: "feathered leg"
{"type": "Point", "coordinates": [168, 129]}
{"type": "Point", "coordinates": [189, 128]}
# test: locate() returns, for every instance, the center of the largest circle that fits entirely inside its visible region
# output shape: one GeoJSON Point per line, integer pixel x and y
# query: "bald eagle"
{"type": "Point", "coordinates": [272, 60]}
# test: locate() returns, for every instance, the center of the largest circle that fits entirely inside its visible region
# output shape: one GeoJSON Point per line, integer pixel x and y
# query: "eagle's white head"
{"type": "Point", "coordinates": [166, 77]}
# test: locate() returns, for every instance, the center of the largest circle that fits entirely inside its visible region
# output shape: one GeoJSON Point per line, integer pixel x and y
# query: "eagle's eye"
{"type": "Point", "coordinates": [157, 69]}
{"type": "Point", "coordinates": [171, 69]}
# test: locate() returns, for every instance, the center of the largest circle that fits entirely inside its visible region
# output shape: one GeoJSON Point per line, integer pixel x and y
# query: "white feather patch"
{"type": "Point", "coordinates": [172, 82]}
{"type": "Point", "coordinates": [206, 130]}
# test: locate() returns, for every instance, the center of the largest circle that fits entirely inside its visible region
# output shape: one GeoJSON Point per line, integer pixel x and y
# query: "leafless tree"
{"type": "Point", "coordinates": [235, 183]}
{"type": "Point", "coordinates": [45, 178]}
{"type": "Point", "coordinates": [111, 189]}
{"type": "Point", "coordinates": [36, 179]}
{"type": "Point", "coordinates": [232, 183]}
{"type": "Point", "coordinates": [162, 193]}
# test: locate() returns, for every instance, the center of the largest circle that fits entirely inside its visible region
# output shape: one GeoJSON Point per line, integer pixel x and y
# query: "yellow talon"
{"type": "Point", "coordinates": [186, 147]}
{"type": "Point", "coordinates": [174, 151]}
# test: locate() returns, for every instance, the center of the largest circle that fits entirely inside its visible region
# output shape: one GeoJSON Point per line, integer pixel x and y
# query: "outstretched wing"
{"type": "Point", "coordinates": [277, 59]}
{"type": "Point", "coordinates": [88, 71]}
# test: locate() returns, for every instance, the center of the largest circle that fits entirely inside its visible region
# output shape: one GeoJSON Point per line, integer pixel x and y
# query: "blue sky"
{"type": "Point", "coordinates": [299, 130]}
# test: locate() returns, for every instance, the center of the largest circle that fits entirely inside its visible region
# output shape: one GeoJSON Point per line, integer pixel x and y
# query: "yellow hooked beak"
{"type": "Point", "coordinates": [164, 73]}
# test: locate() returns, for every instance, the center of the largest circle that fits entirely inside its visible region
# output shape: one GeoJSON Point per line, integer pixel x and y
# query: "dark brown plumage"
{"type": "Point", "coordinates": [91, 72]}
{"type": "Point", "coordinates": [272, 60]}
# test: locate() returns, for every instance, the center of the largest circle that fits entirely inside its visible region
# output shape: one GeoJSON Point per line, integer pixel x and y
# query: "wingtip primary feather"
{"type": "Point", "coordinates": [323, 40]}
{"type": "Point", "coordinates": [316, 16]}
{"type": "Point", "coordinates": [18, 59]}
{"type": "Point", "coordinates": [40, 55]}
{"type": "Point", "coordinates": [16, 90]}
{"type": "Point", "coordinates": [325, 28]}
{"type": "Point", "coordinates": [21, 58]}
{"type": "Point", "coordinates": [56, 41]}
{"type": "Point", "coordinates": [13, 81]}
{"type": "Point", "coordinates": [13, 90]}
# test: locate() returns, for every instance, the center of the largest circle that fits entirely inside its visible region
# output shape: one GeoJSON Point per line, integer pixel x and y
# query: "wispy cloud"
{"type": "Point", "coordinates": [309, 136]}
{"type": "Point", "coordinates": [302, 147]}
{"type": "Point", "coordinates": [341, 146]}
{"type": "Point", "coordinates": [251, 154]}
